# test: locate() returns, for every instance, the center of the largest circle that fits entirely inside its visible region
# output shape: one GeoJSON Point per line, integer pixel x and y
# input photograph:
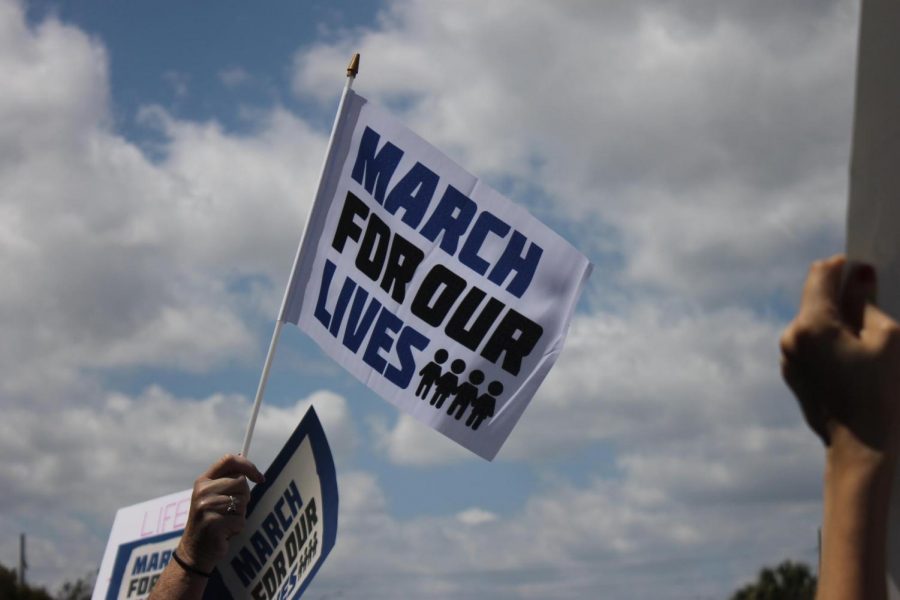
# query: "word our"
{"type": "Point", "coordinates": [474, 323]}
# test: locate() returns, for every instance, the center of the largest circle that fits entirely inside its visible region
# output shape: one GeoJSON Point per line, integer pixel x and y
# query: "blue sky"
{"type": "Point", "coordinates": [154, 48]}
{"type": "Point", "coordinates": [156, 165]}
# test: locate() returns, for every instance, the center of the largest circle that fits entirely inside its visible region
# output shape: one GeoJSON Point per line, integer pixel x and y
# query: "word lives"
{"type": "Point", "coordinates": [281, 551]}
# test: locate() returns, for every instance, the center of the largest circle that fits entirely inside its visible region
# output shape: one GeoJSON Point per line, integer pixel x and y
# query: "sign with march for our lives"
{"type": "Point", "coordinates": [290, 529]}
{"type": "Point", "coordinates": [291, 523]}
{"type": "Point", "coordinates": [430, 287]}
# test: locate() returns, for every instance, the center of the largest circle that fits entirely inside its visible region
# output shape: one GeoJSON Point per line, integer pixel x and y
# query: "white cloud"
{"type": "Point", "coordinates": [600, 539]}
{"type": "Point", "coordinates": [656, 376]}
{"type": "Point", "coordinates": [112, 260]}
{"type": "Point", "coordinates": [234, 77]}
{"type": "Point", "coordinates": [64, 474]}
{"type": "Point", "coordinates": [55, 85]}
{"type": "Point", "coordinates": [713, 137]}
{"type": "Point", "coordinates": [179, 82]}
{"type": "Point", "coordinates": [244, 199]}
{"type": "Point", "coordinates": [710, 454]}
{"type": "Point", "coordinates": [476, 516]}
{"type": "Point", "coordinates": [409, 442]}
{"type": "Point", "coordinates": [652, 377]}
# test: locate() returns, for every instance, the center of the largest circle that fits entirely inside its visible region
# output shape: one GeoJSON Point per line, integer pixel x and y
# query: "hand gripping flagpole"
{"type": "Point", "coordinates": [352, 70]}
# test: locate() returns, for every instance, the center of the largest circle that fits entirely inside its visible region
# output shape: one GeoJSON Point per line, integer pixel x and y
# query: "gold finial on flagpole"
{"type": "Point", "coordinates": [353, 67]}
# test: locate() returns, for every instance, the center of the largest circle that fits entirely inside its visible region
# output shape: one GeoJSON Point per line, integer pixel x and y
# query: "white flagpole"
{"type": "Point", "coordinates": [352, 70]}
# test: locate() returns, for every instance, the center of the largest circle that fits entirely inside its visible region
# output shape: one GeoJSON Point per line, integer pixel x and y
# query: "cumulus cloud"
{"type": "Point", "coordinates": [179, 82]}
{"type": "Point", "coordinates": [407, 442]}
{"type": "Point", "coordinates": [234, 77]}
{"type": "Point", "coordinates": [114, 260]}
{"type": "Point", "coordinates": [710, 454]}
{"type": "Point", "coordinates": [654, 376]}
{"type": "Point", "coordinates": [64, 476]}
{"type": "Point", "coordinates": [709, 142]}
{"type": "Point", "coordinates": [709, 139]}
{"type": "Point", "coordinates": [712, 137]}
{"type": "Point", "coordinates": [649, 377]}
{"type": "Point", "coordinates": [476, 516]}
{"type": "Point", "coordinates": [600, 539]}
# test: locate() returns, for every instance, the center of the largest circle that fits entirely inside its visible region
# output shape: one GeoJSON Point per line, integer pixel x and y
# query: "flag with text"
{"type": "Point", "coordinates": [440, 294]}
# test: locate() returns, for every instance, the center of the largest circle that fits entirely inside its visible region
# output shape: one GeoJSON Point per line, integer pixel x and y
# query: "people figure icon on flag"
{"type": "Point", "coordinates": [430, 373]}
{"type": "Point", "coordinates": [466, 394]}
{"type": "Point", "coordinates": [483, 406]}
{"type": "Point", "coordinates": [447, 383]}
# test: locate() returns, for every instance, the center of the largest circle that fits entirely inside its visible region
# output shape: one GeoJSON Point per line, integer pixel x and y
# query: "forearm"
{"type": "Point", "coordinates": [176, 583]}
{"type": "Point", "coordinates": [854, 536]}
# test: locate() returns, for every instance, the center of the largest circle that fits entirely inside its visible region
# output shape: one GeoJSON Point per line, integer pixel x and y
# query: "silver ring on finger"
{"type": "Point", "coordinates": [232, 506]}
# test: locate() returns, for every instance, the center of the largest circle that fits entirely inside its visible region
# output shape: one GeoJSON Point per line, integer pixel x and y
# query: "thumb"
{"type": "Point", "coordinates": [878, 325]}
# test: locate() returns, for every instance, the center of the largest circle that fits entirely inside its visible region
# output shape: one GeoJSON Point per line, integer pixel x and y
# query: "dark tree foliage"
{"type": "Point", "coordinates": [10, 590]}
{"type": "Point", "coordinates": [787, 581]}
{"type": "Point", "coordinates": [80, 589]}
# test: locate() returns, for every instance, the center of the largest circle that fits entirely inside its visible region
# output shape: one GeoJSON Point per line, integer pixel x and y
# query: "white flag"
{"type": "Point", "coordinates": [429, 286]}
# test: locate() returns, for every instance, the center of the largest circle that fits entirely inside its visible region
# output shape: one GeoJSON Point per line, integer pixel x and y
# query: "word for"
{"type": "Point", "coordinates": [142, 585]}
{"type": "Point", "coordinates": [388, 258]}
{"type": "Point", "coordinates": [451, 218]}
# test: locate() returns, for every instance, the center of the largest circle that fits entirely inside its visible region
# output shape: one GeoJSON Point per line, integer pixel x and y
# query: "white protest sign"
{"type": "Point", "coordinates": [139, 564]}
{"type": "Point", "coordinates": [441, 295]}
{"type": "Point", "coordinates": [291, 523]}
{"type": "Point", "coordinates": [134, 525]}
{"type": "Point", "coordinates": [873, 219]}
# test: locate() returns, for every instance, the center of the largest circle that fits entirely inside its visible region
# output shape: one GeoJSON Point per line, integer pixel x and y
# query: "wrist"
{"type": "Point", "coordinates": [860, 485]}
{"type": "Point", "coordinates": [858, 479]}
{"type": "Point", "coordinates": [849, 457]}
{"type": "Point", "coordinates": [195, 560]}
